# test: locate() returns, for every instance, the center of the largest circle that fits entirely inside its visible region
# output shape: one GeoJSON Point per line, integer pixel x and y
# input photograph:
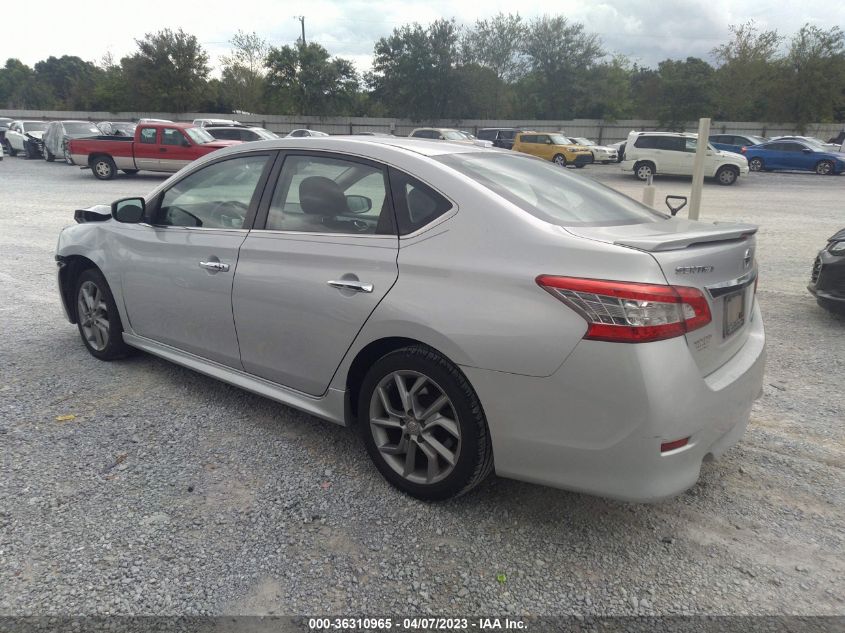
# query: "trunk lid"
{"type": "Point", "coordinates": [716, 258]}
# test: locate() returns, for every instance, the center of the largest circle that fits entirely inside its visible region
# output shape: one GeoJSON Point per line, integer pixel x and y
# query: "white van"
{"type": "Point", "coordinates": [673, 153]}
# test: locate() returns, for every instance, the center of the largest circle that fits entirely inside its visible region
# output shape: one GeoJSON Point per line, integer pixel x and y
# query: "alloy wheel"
{"type": "Point", "coordinates": [92, 312]}
{"type": "Point", "coordinates": [643, 172]}
{"type": "Point", "coordinates": [824, 168]}
{"type": "Point", "coordinates": [560, 160]}
{"type": "Point", "coordinates": [755, 164]}
{"type": "Point", "coordinates": [415, 427]}
{"type": "Point", "coordinates": [727, 176]}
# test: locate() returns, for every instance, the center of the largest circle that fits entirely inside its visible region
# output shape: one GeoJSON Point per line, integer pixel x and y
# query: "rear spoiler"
{"type": "Point", "coordinates": [97, 213]}
{"type": "Point", "coordinates": [713, 233]}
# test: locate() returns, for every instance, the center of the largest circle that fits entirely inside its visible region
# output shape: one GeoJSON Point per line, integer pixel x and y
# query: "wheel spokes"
{"type": "Point", "coordinates": [385, 402]}
{"type": "Point", "coordinates": [444, 452]}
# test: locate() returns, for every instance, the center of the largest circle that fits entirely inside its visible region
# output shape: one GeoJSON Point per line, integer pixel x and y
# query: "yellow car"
{"type": "Point", "coordinates": [554, 147]}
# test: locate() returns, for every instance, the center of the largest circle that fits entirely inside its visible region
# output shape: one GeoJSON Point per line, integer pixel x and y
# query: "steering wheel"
{"type": "Point", "coordinates": [230, 214]}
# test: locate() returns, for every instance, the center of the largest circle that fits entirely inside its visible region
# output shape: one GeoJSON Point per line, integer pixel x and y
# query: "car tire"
{"type": "Point", "coordinates": [130, 172]}
{"type": "Point", "coordinates": [559, 160]}
{"type": "Point", "coordinates": [449, 447]}
{"type": "Point", "coordinates": [825, 168]}
{"type": "Point", "coordinates": [103, 168]}
{"type": "Point", "coordinates": [643, 170]}
{"type": "Point", "coordinates": [12, 152]}
{"type": "Point", "coordinates": [727, 175]}
{"type": "Point", "coordinates": [756, 164]}
{"type": "Point", "coordinates": [29, 153]}
{"type": "Point", "coordinates": [48, 156]}
{"type": "Point", "coordinates": [97, 317]}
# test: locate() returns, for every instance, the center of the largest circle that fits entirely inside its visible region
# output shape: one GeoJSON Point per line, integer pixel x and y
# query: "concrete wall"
{"type": "Point", "coordinates": [594, 129]}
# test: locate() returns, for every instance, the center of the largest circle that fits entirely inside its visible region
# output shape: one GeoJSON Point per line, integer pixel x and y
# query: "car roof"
{"type": "Point", "coordinates": [684, 134]}
{"type": "Point", "coordinates": [371, 145]}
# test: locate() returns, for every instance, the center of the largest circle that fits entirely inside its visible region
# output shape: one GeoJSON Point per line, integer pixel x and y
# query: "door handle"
{"type": "Point", "coordinates": [219, 267]}
{"type": "Point", "coordinates": [349, 284]}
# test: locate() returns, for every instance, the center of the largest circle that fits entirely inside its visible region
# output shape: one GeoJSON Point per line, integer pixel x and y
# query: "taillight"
{"type": "Point", "coordinates": [628, 312]}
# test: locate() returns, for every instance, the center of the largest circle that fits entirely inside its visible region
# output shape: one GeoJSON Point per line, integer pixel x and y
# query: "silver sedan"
{"type": "Point", "coordinates": [469, 309]}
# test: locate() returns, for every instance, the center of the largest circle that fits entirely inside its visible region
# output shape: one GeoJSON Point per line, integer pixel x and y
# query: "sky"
{"type": "Point", "coordinates": [647, 31]}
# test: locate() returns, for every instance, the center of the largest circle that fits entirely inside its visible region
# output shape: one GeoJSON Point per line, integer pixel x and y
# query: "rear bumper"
{"type": "Point", "coordinates": [582, 159]}
{"type": "Point", "coordinates": [597, 424]}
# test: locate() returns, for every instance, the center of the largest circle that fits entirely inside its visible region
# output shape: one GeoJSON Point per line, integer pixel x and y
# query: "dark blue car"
{"type": "Point", "coordinates": [799, 155]}
{"type": "Point", "coordinates": [735, 142]}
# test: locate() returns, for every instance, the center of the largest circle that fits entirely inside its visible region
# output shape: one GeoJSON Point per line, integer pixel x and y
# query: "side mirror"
{"type": "Point", "coordinates": [358, 204]}
{"type": "Point", "coordinates": [675, 204]}
{"type": "Point", "coordinates": [128, 210]}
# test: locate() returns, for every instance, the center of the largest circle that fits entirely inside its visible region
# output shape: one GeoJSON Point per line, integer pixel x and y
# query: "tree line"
{"type": "Point", "coordinates": [504, 67]}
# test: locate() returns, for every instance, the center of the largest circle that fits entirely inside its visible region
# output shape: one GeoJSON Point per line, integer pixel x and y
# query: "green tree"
{"type": "Point", "coordinates": [560, 55]}
{"type": "Point", "coordinates": [18, 88]}
{"type": "Point", "coordinates": [168, 73]}
{"type": "Point", "coordinates": [607, 91]}
{"type": "Point", "coordinates": [70, 79]}
{"type": "Point", "coordinates": [813, 76]}
{"type": "Point", "coordinates": [244, 72]}
{"type": "Point", "coordinates": [308, 81]}
{"type": "Point", "coordinates": [686, 91]}
{"type": "Point", "coordinates": [496, 44]}
{"type": "Point", "coordinates": [413, 70]}
{"type": "Point", "coordinates": [746, 74]}
{"type": "Point", "coordinates": [111, 91]}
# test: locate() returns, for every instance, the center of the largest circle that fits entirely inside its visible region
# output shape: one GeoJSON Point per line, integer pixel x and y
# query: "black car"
{"type": "Point", "coordinates": [827, 281]}
{"type": "Point", "coordinates": [500, 136]}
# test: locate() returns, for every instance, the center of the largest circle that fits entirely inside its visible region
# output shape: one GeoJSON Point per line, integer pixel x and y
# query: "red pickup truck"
{"type": "Point", "coordinates": [156, 147]}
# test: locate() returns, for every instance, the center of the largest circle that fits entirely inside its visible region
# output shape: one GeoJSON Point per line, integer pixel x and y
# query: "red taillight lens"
{"type": "Point", "coordinates": [665, 447]}
{"type": "Point", "coordinates": [627, 312]}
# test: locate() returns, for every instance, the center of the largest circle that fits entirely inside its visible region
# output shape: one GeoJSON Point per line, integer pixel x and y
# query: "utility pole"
{"type": "Point", "coordinates": [301, 19]}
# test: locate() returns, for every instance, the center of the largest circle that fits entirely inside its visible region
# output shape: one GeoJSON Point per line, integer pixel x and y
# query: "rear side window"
{"type": "Point", "coordinates": [148, 135]}
{"type": "Point", "coordinates": [416, 203]}
{"type": "Point", "coordinates": [548, 192]}
{"type": "Point", "coordinates": [487, 135]}
{"type": "Point", "coordinates": [670, 143]}
{"type": "Point", "coordinates": [528, 138]}
{"type": "Point", "coordinates": [645, 142]}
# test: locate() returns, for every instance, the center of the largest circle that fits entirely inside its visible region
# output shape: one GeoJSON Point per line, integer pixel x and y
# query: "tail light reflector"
{"type": "Point", "coordinates": [628, 312]}
{"type": "Point", "coordinates": [665, 447]}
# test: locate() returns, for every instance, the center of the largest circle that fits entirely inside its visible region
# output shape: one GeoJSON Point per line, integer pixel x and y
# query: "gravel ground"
{"type": "Point", "coordinates": [171, 493]}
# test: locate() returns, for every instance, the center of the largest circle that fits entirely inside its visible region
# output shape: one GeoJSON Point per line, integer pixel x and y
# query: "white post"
{"type": "Point", "coordinates": [648, 193]}
{"type": "Point", "coordinates": [698, 168]}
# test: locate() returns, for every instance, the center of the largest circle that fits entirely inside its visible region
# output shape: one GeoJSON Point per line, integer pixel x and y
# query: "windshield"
{"type": "Point", "coordinates": [559, 139]}
{"type": "Point", "coordinates": [757, 139]}
{"type": "Point", "coordinates": [583, 141]}
{"type": "Point", "coordinates": [451, 135]}
{"type": "Point", "coordinates": [818, 143]}
{"type": "Point", "coordinates": [199, 135]}
{"type": "Point", "coordinates": [548, 192]}
{"type": "Point", "coordinates": [80, 127]}
{"type": "Point", "coordinates": [34, 127]}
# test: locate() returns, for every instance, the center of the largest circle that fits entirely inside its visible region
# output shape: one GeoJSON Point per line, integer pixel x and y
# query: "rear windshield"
{"type": "Point", "coordinates": [548, 192]}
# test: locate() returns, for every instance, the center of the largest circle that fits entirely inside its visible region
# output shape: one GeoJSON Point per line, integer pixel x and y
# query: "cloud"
{"type": "Point", "coordinates": [648, 32]}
